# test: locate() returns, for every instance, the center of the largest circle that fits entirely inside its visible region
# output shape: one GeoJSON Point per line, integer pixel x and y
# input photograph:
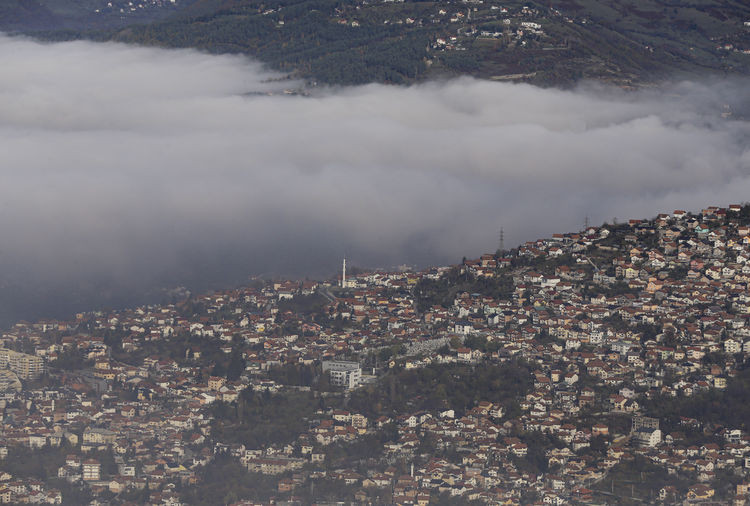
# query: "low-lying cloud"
{"type": "Point", "coordinates": [125, 168]}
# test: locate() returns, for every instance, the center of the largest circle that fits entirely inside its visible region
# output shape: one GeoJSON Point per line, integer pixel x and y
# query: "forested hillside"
{"type": "Point", "coordinates": [357, 41]}
{"type": "Point", "coordinates": [82, 15]}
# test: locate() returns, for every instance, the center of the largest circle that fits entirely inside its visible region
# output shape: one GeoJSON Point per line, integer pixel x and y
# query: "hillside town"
{"type": "Point", "coordinates": [602, 366]}
{"type": "Point", "coordinates": [128, 7]}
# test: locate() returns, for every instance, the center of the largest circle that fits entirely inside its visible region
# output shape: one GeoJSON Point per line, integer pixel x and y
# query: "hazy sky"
{"type": "Point", "coordinates": [125, 166]}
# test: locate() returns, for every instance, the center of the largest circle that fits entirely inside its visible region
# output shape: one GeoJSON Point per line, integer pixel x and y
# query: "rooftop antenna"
{"type": "Point", "coordinates": [502, 239]}
{"type": "Point", "coordinates": [586, 223]}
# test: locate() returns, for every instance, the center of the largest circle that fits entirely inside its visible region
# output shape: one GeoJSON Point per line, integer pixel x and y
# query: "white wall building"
{"type": "Point", "coordinates": [343, 373]}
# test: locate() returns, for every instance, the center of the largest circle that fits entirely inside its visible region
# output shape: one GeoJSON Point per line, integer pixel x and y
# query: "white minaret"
{"type": "Point", "coordinates": [343, 275]}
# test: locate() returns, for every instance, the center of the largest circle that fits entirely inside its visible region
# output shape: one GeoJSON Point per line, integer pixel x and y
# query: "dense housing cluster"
{"type": "Point", "coordinates": [555, 372]}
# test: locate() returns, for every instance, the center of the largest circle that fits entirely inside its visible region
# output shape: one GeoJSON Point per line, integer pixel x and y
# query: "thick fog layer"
{"type": "Point", "coordinates": [125, 169]}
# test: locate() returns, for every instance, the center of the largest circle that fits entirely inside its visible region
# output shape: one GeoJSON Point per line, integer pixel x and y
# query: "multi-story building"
{"type": "Point", "coordinates": [91, 470]}
{"type": "Point", "coordinates": [98, 436]}
{"type": "Point", "coordinates": [25, 366]}
{"type": "Point", "coordinates": [343, 373]}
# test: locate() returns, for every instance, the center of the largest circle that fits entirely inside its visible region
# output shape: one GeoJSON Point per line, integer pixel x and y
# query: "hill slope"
{"type": "Point", "coordinates": [553, 42]}
{"type": "Point", "coordinates": [42, 15]}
